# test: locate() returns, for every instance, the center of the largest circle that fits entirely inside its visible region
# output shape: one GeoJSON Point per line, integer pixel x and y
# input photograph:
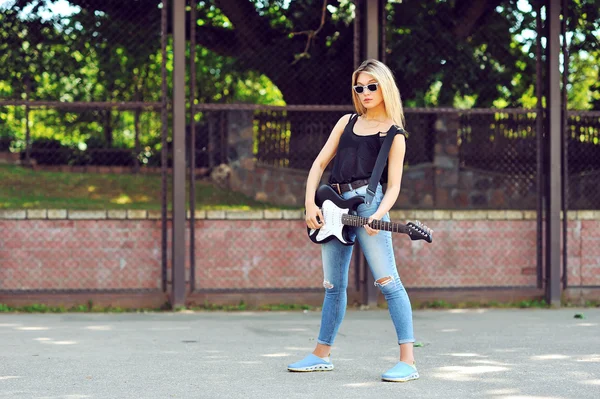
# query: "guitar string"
{"type": "Point", "coordinates": [358, 221]}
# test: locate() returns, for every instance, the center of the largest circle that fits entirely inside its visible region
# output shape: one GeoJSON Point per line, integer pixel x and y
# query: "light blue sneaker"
{"type": "Point", "coordinates": [401, 372]}
{"type": "Point", "coordinates": [311, 363]}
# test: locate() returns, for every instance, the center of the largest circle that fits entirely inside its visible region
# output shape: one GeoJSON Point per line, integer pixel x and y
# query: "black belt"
{"type": "Point", "coordinates": [345, 187]}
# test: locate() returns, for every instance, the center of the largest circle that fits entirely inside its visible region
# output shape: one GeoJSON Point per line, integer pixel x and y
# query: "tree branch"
{"type": "Point", "coordinates": [468, 14]}
{"type": "Point", "coordinates": [311, 35]}
{"type": "Point", "coordinates": [251, 28]}
{"type": "Point", "coordinates": [221, 41]}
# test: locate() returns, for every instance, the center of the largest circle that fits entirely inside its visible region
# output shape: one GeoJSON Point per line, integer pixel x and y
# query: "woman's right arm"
{"type": "Point", "coordinates": [316, 172]}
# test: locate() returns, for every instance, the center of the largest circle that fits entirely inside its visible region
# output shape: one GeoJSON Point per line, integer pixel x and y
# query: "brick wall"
{"type": "Point", "coordinates": [77, 250]}
{"type": "Point", "coordinates": [79, 254]}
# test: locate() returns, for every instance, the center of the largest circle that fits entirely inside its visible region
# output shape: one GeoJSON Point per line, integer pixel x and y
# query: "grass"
{"type": "Point", "coordinates": [89, 307]}
{"type": "Point", "coordinates": [24, 188]}
{"type": "Point", "coordinates": [525, 304]}
{"type": "Point", "coordinates": [83, 308]}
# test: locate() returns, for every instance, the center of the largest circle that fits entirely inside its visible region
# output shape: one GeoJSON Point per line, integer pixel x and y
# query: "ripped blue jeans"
{"type": "Point", "coordinates": [379, 253]}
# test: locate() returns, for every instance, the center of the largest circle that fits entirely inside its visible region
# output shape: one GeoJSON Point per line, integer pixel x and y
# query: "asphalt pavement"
{"type": "Point", "coordinates": [485, 353]}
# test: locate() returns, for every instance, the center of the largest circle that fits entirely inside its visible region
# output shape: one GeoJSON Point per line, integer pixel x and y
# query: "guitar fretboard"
{"type": "Point", "coordinates": [358, 221]}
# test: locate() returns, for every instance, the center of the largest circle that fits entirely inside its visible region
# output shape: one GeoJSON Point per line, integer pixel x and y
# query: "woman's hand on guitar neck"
{"type": "Point", "coordinates": [312, 212]}
{"type": "Point", "coordinates": [371, 231]}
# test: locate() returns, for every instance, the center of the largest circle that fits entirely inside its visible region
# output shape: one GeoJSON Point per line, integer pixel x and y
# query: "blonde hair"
{"type": "Point", "coordinates": [391, 95]}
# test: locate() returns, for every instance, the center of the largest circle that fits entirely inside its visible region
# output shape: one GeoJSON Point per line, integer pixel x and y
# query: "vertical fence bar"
{"type": "Point", "coordinates": [192, 143]}
{"type": "Point", "coordinates": [372, 42]}
{"type": "Point", "coordinates": [179, 211]}
{"type": "Point", "coordinates": [356, 44]}
{"type": "Point", "coordinates": [382, 27]}
{"type": "Point", "coordinates": [553, 267]}
{"type": "Point", "coordinates": [136, 150]}
{"type": "Point", "coordinates": [539, 128]}
{"type": "Point", "coordinates": [565, 143]}
{"type": "Point", "coordinates": [163, 136]}
{"type": "Point", "coordinates": [27, 128]}
{"type": "Point", "coordinates": [358, 264]}
{"type": "Point", "coordinates": [212, 119]}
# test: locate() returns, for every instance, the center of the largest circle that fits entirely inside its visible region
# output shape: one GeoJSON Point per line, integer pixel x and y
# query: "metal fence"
{"type": "Point", "coordinates": [84, 120]}
{"type": "Point", "coordinates": [84, 88]}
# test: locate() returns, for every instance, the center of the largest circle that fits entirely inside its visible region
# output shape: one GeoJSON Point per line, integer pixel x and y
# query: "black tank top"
{"type": "Point", "coordinates": [356, 155]}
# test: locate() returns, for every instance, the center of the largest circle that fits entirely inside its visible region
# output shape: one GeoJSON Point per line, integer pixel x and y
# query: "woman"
{"type": "Point", "coordinates": [356, 139]}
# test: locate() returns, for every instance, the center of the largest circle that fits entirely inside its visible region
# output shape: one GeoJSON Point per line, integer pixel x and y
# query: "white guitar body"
{"type": "Point", "coordinates": [334, 209]}
{"type": "Point", "coordinates": [333, 224]}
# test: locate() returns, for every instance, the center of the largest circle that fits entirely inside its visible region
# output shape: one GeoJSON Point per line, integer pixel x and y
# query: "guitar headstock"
{"type": "Point", "coordinates": [418, 231]}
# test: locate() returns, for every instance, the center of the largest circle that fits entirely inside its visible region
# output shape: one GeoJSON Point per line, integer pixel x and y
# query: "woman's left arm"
{"type": "Point", "coordinates": [395, 166]}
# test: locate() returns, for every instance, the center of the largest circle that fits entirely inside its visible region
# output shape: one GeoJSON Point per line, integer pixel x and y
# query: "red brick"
{"type": "Point", "coordinates": [266, 253]}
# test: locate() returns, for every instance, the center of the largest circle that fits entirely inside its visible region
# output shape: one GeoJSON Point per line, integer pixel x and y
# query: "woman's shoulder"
{"type": "Point", "coordinates": [346, 118]}
{"type": "Point", "coordinates": [400, 130]}
{"type": "Point", "coordinates": [342, 124]}
{"type": "Point", "coordinates": [395, 130]}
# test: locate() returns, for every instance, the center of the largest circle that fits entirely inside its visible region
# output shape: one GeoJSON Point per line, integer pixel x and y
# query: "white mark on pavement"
{"type": "Point", "coordinates": [509, 350]}
{"type": "Point", "coordinates": [502, 391]}
{"type": "Point", "coordinates": [99, 328]}
{"type": "Point", "coordinates": [360, 385]}
{"type": "Point", "coordinates": [590, 382]}
{"type": "Point", "coordinates": [528, 397]}
{"type": "Point", "coordinates": [492, 362]}
{"type": "Point", "coordinates": [243, 314]}
{"type": "Point", "coordinates": [550, 357]}
{"type": "Point", "coordinates": [465, 373]}
{"type": "Point", "coordinates": [276, 355]}
{"type": "Point", "coordinates": [464, 354]}
{"type": "Point", "coordinates": [32, 328]}
{"type": "Point", "coordinates": [460, 311]}
{"type": "Point", "coordinates": [169, 328]}
{"type": "Point", "coordinates": [473, 369]}
{"type": "Point", "coordinates": [594, 358]}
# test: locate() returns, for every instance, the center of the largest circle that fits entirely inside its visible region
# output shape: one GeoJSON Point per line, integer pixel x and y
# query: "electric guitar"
{"type": "Point", "coordinates": [339, 214]}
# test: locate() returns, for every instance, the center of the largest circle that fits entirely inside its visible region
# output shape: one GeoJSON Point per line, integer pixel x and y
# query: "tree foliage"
{"type": "Point", "coordinates": [443, 53]}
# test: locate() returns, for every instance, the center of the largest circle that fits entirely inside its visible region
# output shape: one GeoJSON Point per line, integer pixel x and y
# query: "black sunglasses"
{"type": "Point", "coordinates": [360, 89]}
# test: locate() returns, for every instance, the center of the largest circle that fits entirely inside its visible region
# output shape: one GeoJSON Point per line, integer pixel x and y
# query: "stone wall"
{"type": "Point", "coordinates": [280, 186]}
{"type": "Point", "coordinates": [584, 192]}
{"type": "Point", "coordinates": [9, 158]}
{"type": "Point", "coordinates": [442, 184]}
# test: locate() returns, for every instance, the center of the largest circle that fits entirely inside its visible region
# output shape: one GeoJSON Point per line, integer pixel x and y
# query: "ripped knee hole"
{"type": "Point", "coordinates": [383, 281]}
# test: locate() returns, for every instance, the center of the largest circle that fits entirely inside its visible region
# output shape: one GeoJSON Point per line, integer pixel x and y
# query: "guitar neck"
{"type": "Point", "coordinates": [358, 221]}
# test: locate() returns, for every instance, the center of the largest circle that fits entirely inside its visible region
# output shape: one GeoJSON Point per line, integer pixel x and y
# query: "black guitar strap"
{"type": "Point", "coordinates": [380, 164]}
